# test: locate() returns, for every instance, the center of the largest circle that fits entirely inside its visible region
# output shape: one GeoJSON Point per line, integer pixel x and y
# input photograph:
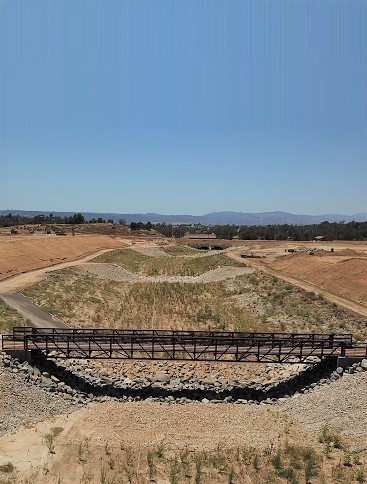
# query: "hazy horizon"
{"type": "Point", "coordinates": [117, 212]}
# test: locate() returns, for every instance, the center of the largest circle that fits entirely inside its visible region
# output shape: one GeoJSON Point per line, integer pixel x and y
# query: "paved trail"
{"type": "Point", "coordinates": [9, 292]}
{"type": "Point", "coordinates": [30, 311]}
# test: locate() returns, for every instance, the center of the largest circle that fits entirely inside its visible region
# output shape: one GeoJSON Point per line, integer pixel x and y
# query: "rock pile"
{"type": "Point", "coordinates": [82, 385]}
{"type": "Point", "coordinates": [23, 402]}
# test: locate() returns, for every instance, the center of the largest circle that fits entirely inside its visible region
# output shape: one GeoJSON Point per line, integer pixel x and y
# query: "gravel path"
{"type": "Point", "coordinates": [21, 404]}
{"type": "Point", "coordinates": [343, 405]}
{"type": "Point", "coordinates": [114, 272]}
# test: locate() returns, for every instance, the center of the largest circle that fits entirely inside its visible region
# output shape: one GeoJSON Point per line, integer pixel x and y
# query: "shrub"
{"type": "Point", "coordinates": [7, 468]}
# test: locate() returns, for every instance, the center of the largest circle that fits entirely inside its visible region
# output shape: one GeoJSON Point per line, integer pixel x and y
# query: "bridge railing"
{"type": "Point", "coordinates": [169, 347]}
{"type": "Point", "coordinates": [189, 345]}
{"type": "Point", "coordinates": [20, 332]}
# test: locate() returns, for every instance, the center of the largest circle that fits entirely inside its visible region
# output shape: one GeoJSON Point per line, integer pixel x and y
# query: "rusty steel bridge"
{"type": "Point", "coordinates": [226, 346]}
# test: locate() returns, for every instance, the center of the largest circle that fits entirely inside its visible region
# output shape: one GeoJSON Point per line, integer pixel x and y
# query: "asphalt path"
{"type": "Point", "coordinates": [31, 312]}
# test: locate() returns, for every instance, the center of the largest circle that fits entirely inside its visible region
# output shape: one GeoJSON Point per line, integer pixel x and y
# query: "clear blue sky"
{"type": "Point", "coordinates": [183, 106]}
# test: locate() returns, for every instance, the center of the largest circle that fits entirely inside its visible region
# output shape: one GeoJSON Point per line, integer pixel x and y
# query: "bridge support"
{"type": "Point", "coordinates": [25, 355]}
{"type": "Point", "coordinates": [346, 361]}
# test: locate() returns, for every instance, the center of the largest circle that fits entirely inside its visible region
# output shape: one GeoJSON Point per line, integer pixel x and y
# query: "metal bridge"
{"type": "Point", "coordinates": [226, 346]}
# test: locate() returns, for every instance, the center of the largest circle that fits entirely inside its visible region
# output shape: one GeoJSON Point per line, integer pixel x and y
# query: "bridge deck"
{"type": "Point", "coordinates": [185, 345]}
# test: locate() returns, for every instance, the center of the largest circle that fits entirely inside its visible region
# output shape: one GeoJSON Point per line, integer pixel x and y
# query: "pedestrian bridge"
{"type": "Point", "coordinates": [226, 346]}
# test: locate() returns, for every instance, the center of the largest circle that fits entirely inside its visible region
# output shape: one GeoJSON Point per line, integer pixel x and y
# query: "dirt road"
{"type": "Point", "coordinates": [343, 302]}
{"type": "Point", "coordinates": [19, 282]}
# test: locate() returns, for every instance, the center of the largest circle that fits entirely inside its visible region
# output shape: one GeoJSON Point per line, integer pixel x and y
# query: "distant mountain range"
{"type": "Point", "coordinates": [214, 218]}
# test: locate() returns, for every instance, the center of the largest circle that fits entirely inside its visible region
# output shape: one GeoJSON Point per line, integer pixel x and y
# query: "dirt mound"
{"type": "Point", "coordinates": [347, 278]}
{"type": "Point", "coordinates": [24, 253]}
{"type": "Point", "coordinates": [344, 252]}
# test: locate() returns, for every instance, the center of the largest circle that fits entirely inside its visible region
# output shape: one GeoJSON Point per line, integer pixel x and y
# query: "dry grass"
{"type": "Point", "coordinates": [87, 301]}
{"type": "Point", "coordinates": [10, 318]}
{"type": "Point", "coordinates": [179, 250]}
{"type": "Point", "coordinates": [254, 302]}
{"type": "Point", "coordinates": [165, 266]}
{"type": "Point", "coordinates": [111, 462]}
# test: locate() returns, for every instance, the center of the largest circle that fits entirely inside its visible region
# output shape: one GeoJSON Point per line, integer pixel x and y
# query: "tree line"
{"type": "Point", "coordinates": [11, 220]}
{"type": "Point", "coordinates": [329, 230]}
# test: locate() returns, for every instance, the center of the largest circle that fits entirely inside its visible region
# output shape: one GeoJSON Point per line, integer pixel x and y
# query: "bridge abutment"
{"type": "Point", "coordinates": [347, 361]}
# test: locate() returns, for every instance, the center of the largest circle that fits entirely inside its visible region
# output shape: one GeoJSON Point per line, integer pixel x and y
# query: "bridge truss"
{"type": "Point", "coordinates": [226, 346]}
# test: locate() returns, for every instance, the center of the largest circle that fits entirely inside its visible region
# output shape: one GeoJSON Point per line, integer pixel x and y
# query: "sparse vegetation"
{"type": "Point", "coordinates": [7, 468]}
{"type": "Point", "coordinates": [50, 438]}
{"type": "Point", "coordinates": [288, 463]}
{"type": "Point", "coordinates": [165, 266]}
{"type": "Point", "coordinates": [180, 250]}
{"type": "Point", "coordinates": [329, 436]}
{"type": "Point", "coordinates": [10, 318]}
{"type": "Point", "coordinates": [253, 302]}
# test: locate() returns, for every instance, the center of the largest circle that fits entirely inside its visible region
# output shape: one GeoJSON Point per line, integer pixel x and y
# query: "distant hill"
{"type": "Point", "coordinates": [214, 218]}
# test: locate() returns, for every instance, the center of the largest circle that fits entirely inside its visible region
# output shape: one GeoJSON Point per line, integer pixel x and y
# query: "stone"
{"type": "Point", "coordinates": [364, 364]}
{"type": "Point", "coordinates": [161, 377]}
{"type": "Point", "coordinates": [340, 370]}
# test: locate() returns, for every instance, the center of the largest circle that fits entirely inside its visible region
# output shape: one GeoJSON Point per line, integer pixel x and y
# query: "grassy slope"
{"type": "Point", "coordinates": [9, 318]}
{"type": "Point", "coordinates": [165, 266]}
{"type": "Point", "coordinates": [254, 302]}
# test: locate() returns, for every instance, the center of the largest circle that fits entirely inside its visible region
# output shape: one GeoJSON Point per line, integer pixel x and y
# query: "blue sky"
{"type": "Point", "coordinates": [183, 106]}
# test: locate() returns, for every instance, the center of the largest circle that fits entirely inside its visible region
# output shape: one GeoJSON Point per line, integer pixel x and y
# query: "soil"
{"type": "Point", "coordinates": [340, 276]}
{"type": "Point", "coordinates": [27, 414]}
{"type": "Point", "coordinates": [20, 281]}
{"type": "Point", "coordinates": [20, 254]}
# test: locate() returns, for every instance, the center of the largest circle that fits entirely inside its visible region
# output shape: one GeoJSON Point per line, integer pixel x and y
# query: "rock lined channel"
{"type": "Point", "coordinates": [82, 385]}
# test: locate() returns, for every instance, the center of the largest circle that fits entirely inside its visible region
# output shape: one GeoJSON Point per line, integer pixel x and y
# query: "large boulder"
{"type": "Point", "coordinates": [161, 377]}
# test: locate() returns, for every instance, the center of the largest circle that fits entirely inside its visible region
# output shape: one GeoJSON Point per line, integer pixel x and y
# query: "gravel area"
{"type": "Point", "coordinates": [116, 273]}
{"type": "Point", "coordinates": [195, 425]}
{"type": "Point", "coordinates": [22, 404]}
{"type": "Point", "coordinates": [111, 272]}
{"type": "Point", "coordinates": [342, 405]}
{"type": "Point", "coordinates": [256, 372]}
{"type": "Point", "coordinates": [150, 251]}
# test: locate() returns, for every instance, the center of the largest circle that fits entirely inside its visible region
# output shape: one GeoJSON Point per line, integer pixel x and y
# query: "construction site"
{"type": "Point", "coordinates": [143, 359]}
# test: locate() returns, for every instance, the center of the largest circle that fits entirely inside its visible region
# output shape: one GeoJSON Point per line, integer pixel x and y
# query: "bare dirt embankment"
{"type": "Point", "coordinates": [20, 254]}
{"type": "Point", "coordinates": [346, 277]}
{"type": "Point", "coordinates": [335, 270]}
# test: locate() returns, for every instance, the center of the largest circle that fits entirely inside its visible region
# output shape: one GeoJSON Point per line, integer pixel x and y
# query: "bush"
{"type": "Point", "coordinates": [7, 468]}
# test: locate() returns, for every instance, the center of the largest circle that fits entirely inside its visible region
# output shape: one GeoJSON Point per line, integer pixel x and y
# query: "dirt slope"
{"type": "Point", "coordinates": [24, 253]}
{"type": "Point", "coordinates": [345, 277]}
